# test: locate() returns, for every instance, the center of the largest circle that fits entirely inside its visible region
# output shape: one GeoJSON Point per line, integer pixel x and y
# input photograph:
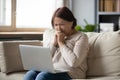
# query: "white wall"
{"type": "Point", "coordinates": [84, 9]}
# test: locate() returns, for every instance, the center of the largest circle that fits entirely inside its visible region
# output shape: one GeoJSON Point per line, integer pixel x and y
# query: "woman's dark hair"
{"type": "Point", "coordinates": [65, 14]}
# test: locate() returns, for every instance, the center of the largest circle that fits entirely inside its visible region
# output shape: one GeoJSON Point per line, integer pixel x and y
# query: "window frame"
{"type": "Point", "coordinates": [13, 27]}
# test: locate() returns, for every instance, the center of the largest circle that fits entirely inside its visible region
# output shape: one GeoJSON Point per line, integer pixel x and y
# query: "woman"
{"type": "Point", "coordinates": [69, 50]}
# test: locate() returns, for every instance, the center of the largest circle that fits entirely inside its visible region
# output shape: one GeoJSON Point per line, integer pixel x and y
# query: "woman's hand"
{"type": "Point", "coordinates": [55, 43]}
{"type": "Point", "coordinates": [60, 38]}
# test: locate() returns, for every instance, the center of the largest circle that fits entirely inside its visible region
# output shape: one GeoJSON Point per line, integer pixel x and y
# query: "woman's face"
{"type": "Point", "coordinates": [62, 25]}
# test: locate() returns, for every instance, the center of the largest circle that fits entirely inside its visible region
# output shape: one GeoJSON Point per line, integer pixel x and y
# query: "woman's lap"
{"type": "Point", "coordinates": [30, 75]}
{"type": "Point", "coordinates": [52, 76]}
{"type": "Point", "coordinates": [34, 75]}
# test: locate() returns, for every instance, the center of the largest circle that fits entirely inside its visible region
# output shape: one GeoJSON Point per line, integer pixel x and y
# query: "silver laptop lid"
{"type": "Point", "coordinates": [36, 57]}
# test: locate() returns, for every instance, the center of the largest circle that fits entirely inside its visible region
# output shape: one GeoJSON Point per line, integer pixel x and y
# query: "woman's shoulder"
{"type": "Point", "coordinates": [80, 34]}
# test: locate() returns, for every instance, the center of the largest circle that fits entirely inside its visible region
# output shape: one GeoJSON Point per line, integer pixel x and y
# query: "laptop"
{"type": "Point", "coordinates": [36, 58]}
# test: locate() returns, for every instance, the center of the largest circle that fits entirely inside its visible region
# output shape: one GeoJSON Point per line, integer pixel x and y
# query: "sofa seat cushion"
{"type": "Point", "coordinates": [12, 76]}
{"type": "Point", "coordinates": [105, 78]}
{"type": "Point", "coordinates": [20, 75]}
{"type": "Point", "coordinates": [102, 78]}
{"type": "Point", "coordinates": [104, 54]}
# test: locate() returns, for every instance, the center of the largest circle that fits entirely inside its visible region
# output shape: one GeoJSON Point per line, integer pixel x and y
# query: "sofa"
{"type": "Point", "coordinates": [103, 59]}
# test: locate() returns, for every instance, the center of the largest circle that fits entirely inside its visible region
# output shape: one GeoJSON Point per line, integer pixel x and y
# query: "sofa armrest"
{"type": "Point", "coordinates": [10, 59]}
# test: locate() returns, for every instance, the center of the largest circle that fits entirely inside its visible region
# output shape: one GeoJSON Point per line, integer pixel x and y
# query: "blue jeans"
{"type": "Point", "coordinates": [35, 75]}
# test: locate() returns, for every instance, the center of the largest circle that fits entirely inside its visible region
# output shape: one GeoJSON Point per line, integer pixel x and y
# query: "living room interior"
{"type": "Point", "coordinates": [15, 20]}
{"type": "Point", "coordinates": [9, 28]}
{"type": "Point", "coordinates": [17, 27]}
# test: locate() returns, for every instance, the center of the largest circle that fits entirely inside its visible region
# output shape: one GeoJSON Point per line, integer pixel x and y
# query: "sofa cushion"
{"type": "Point", "coordinates": [105, 78]}
{"type": "Point", "coordinates": [104, 54]}
{"type": "Point", "coordinates": [10, 56]}
{"type": "Point", "coordinates": [48, 36]}
{"type": "Point", "coordinates": [1, 50]}
{"type": "Point", "coordinates": [12, 76]}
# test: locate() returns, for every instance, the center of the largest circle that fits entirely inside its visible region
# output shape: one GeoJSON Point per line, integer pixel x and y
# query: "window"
{"type": "Point", "coordinates": [5, 13]}
{"type": "Point", "coordinates": [25, 15]}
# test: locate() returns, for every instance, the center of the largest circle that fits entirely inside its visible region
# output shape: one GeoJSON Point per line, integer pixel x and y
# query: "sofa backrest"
{"type": "Point", "coordinates": [104, 53]}
{"type": "Point", "coordinates": [48, 36]}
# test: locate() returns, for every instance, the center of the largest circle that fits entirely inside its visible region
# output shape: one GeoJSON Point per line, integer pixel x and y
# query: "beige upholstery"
{"type": "Point", "coordinates": [104, 54]}
{"type": "Point", "coordinates": [103, 57]}
{"type": "Point", "coordinates": [12, 76]}
{"type": "Point", "coordinates": [10, 57]}
{"type": "Point", "coordinates": [1, 50]}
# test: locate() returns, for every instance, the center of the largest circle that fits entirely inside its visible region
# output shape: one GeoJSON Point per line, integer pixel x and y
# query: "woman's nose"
{"type": "Point", "coordinates": [58, 27]}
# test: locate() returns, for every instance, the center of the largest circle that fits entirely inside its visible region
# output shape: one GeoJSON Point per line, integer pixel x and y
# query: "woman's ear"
{"type": "Point", "coordinates": [73, 25]}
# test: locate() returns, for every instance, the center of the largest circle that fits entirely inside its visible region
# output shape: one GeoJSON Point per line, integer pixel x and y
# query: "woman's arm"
{"type": "Point", "coordinates": [75, 56]}
{"type": "Point", "coordinates": [52, 49]}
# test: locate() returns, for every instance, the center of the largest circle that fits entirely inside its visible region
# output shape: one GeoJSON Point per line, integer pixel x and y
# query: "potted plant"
{"type": "Point", "coordinates": [87, 28]}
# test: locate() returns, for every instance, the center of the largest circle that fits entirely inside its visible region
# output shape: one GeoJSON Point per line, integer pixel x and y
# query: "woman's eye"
{"type": "Point", "coordinates": [55, 24]}
{"type": "Point", "coordinates": [61, 24]}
